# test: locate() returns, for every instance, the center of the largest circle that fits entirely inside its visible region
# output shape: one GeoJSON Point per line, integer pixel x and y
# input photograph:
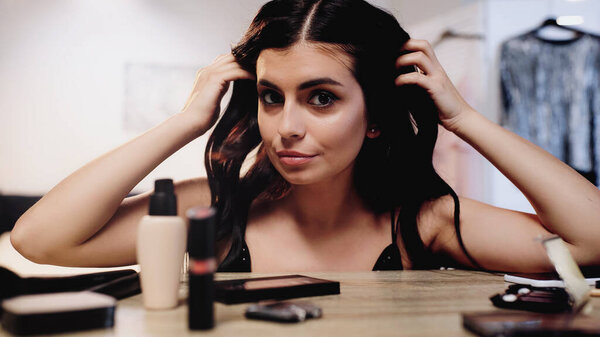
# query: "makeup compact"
{"type": "Point", "coordinates": [524, 297]}
{"type": "Point", "coordinates": [57, 312]}
{"type": "Point", "coordinates": [273, 288]}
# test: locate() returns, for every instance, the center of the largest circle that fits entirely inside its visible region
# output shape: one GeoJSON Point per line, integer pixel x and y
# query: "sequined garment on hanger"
{"type": "Point", "coordinates": [551, 96]}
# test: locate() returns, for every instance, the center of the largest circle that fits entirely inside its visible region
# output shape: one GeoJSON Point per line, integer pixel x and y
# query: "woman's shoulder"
{"type": "Point", "coordinates": [192, 192]}
{"type": "Point", "coordinates": [434, 218]}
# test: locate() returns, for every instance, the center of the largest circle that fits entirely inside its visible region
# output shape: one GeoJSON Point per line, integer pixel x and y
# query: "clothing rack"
{"type": "Point", "coordinates": [451, 34]}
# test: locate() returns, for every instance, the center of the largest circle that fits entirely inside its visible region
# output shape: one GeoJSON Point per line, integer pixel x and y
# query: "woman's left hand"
{"type": "Point", "coordinates": [432, 77]}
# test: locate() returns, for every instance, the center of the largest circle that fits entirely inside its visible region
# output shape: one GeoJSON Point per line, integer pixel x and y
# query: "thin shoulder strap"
{"type": "Point", "coordinates": [457, 229]}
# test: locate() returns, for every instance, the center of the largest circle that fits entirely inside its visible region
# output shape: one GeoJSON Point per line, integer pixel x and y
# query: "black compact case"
{"type": "Point", "coordinates": [271, 288]}
{"type": "Point", "coordinates": [57, 312]}
{"type": "Point", "coordinates": [524, 297]}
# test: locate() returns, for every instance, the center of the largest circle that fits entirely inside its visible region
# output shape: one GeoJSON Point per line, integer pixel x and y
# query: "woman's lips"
{"type": "Point", "coordinates": [294, 158]}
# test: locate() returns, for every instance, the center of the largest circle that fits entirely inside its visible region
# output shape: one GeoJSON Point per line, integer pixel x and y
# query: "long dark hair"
{"type": "Point", "coordinates": [392, 171]}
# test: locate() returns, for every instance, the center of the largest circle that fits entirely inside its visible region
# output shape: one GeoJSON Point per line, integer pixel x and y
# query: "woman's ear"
{"type": "Point", "coordinates": [373, 131]}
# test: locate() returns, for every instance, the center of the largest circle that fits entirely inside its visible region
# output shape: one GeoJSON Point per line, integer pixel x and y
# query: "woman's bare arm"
{"type": "Point", "coordinates": [85, 220]}
{"type": "Point", "coordinates": [566, 204]}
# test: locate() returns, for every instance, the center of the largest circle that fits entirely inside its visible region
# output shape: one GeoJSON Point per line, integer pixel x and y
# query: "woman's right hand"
{"type": "Point", "coordinates": [211, 84]}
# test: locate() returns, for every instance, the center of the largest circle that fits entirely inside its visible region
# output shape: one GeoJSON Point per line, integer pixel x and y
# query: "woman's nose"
{"type": "Point", "coordinates": [291, 124]}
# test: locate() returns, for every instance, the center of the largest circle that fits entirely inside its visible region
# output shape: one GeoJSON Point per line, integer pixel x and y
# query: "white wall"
{"type": "Point", "coordinates": [62, 66]}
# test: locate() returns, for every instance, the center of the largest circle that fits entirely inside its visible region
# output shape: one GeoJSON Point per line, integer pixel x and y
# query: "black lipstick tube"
{"type": "Point", "coordinates": [202, 266]}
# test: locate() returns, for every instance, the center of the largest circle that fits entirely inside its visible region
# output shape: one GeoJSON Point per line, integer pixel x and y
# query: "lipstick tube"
{"type": "Point", "coordinates": [202, 265]}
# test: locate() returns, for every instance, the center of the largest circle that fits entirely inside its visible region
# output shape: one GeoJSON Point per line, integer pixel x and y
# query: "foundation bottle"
{"type": "Point", "coordinates": [161, 246]}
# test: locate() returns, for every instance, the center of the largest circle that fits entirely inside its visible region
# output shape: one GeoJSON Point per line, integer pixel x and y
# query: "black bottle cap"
{"type": "Point", "coordinates": [163, 200]}
{"type": "Point", "coordinates": [201, 236]}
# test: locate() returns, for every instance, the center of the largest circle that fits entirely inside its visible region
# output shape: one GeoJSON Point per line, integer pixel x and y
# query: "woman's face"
{"type": "Point", "coordinates": [311, 112]}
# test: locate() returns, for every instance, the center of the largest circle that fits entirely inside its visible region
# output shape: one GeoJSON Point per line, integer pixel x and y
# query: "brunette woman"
{"type": "Point", "coordinates": [341, 107]}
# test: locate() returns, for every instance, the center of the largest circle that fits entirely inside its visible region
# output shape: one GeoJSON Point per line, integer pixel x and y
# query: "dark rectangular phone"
{"type": "Point", "coordinates": [519, 323]}
{"type": "Point", "coordinates": [274, 287]}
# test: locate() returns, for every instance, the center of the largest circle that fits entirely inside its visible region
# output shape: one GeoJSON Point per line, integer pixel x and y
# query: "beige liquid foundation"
{"type": "Point", "coordinates": [161, 246]}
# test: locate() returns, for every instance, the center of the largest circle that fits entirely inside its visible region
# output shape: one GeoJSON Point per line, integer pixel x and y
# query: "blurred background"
{"type": "Point", "coordinates": [80, 77]}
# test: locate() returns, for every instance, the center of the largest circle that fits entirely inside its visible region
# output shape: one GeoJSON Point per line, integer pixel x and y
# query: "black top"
{"type": "Point", "coordinates": [389, 259]}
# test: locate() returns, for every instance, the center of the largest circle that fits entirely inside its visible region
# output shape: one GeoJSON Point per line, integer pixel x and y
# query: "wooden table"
{"type": "Point", "coordinates": [405, 303]}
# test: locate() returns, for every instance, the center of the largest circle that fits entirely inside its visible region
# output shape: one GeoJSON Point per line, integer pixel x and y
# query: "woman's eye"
{"type": "Point", "coordinates": [322, 99]}
{"type": "Point", "coordinates": [271, 97]}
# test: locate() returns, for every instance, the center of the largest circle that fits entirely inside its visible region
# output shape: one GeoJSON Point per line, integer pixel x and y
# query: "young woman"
{"type": "Point", "coordinates": [343, 126]}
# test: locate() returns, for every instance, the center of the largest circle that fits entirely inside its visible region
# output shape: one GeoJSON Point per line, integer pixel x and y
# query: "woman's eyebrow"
{"type": "Point", "coordinates": [304, 85]}
{"type": "Point", "coordinates": [318, 81]}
